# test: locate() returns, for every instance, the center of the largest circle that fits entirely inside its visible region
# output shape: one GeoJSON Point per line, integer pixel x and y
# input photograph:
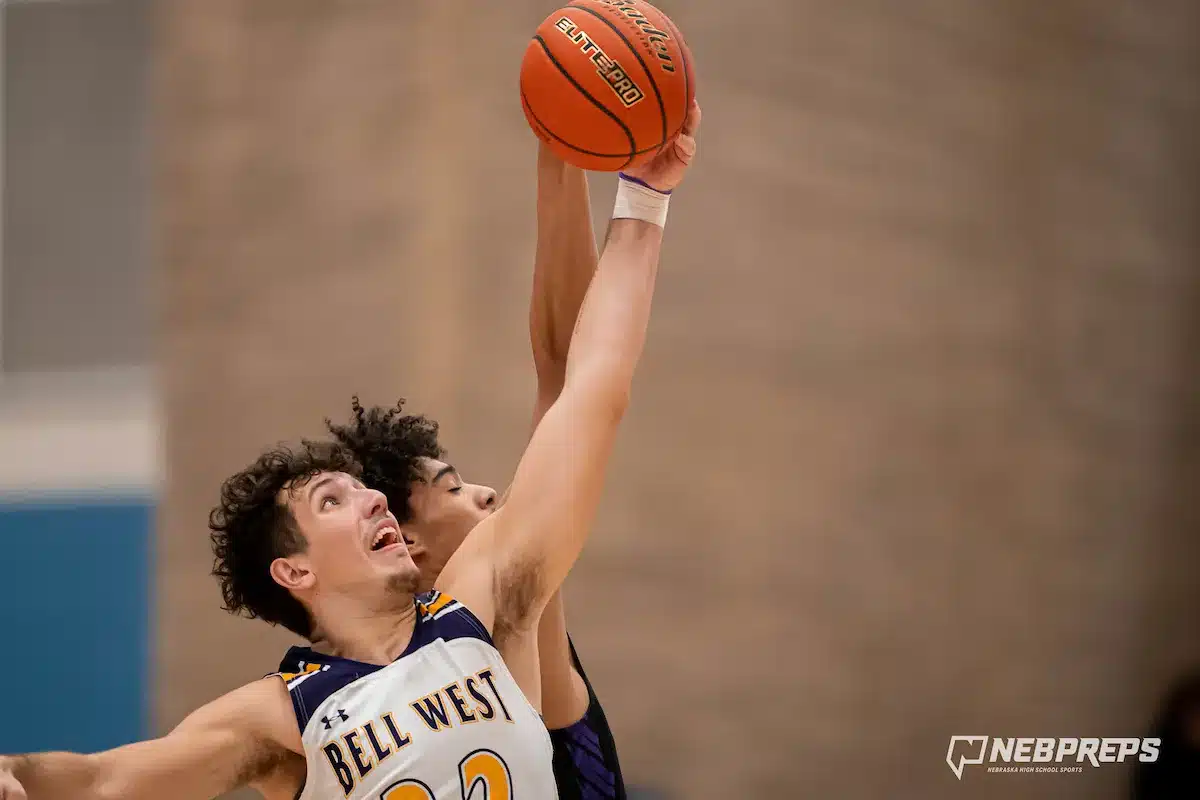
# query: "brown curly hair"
{"type": "Point", "coordinates": [389, 445]}
{"type": "Point", "coordinates": [250, 528]}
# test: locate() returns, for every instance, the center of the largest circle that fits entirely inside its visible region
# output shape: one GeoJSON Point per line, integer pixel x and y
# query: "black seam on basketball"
{"type": "Point", "coordinates": [686, 63]}
{"type": "Point", "coordinates": [562, 141]}
{"type": "Point", "coordinates": [628, 133]}
{"type": "Point", "coordinates": [538, 126]}
{"type": "Point", "coordinates": [662, 110]}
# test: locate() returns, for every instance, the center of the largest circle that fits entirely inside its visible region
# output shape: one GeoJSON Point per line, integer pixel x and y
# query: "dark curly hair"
{"type": "Point", "coordinates": [389, 445]}
{"type": "Point", "coordinates": [251, 528]}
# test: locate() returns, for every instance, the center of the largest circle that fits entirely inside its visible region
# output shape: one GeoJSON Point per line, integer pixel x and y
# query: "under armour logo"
{"type": "Point", "coordinates": [341, 717]}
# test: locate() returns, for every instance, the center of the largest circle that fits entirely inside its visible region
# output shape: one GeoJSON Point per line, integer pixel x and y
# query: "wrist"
{"type": "Point", "coordinates": [632, 233]}
{"type": "Point", "coordinates": [638, 200]}
{"type": "Point", "coordinates": [558, 177]}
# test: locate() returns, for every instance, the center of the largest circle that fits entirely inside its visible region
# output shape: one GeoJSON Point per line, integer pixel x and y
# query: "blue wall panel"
{"type": "Point", "coordinates": [75, 616]}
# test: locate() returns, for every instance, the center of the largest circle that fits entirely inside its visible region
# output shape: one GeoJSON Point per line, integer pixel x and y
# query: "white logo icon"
{"type": "Point", "coordinates": [971, 744]}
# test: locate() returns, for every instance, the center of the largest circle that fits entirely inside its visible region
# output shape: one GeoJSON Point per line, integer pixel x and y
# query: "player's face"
{"type": "Point", "coordinates": [353, 543]}
{"type": "Point", "coordinates": [444, 510]}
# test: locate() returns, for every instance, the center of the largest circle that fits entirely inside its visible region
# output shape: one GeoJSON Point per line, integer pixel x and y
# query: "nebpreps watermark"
{"type": "Point", "coordinates": [1044, 754]}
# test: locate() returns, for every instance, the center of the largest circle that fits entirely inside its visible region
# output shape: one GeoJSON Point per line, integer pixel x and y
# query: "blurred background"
{"type": "Point", "coordinates": [913, 450]}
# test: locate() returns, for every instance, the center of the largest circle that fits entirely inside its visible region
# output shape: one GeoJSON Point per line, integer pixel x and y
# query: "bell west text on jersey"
{"type": "Point", "coordinates": [354, 753]}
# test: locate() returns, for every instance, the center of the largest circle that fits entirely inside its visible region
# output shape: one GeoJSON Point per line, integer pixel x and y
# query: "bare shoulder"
{"type": "Point", "coordinates": [273, 709]}
{"type": "Point", "coordinates": [258, 715]}
{"type": "Point", "coordinates": [469, 576]}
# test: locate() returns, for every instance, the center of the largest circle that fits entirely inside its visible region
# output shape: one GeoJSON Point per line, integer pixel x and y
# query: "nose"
{"type": "Point", "coordinates": [486, 497]}
{"type": "Point", "coordinates": [374, 503]}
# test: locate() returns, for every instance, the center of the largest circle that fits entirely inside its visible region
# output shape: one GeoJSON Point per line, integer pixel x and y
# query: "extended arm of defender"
{"type": "Point", "coordinates": [220, 747]}
{"type": "Point", "coordinates": [563, 267]}
{"type": "Point", "coordinates": [513, 561]}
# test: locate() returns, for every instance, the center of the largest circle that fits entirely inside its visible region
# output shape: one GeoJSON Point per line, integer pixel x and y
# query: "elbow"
{"type": "Point", "coordinates": [607, 401]}
{"type": "Point", "coordinates": [608, 410]}
{"type": "Point", "coordinates": [618, 403]}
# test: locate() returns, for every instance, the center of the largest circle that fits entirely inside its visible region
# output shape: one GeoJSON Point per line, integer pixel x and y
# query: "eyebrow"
{"type": "Point", "coordinates": [317, 484]}
{"type": "Point", "coordinates": [443, 472]}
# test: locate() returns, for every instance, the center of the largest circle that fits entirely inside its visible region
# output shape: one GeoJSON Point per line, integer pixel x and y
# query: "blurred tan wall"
{"type": "Point", "coordinates": [913, 444]}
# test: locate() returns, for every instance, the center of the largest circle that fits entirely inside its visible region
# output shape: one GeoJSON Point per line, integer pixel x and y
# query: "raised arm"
{"type": "Point", "coordinates": [562, 269]}
{"type": "Point", "coordinates": [513, 562]}
{"type": "Point", "coordinates": [226, 744]}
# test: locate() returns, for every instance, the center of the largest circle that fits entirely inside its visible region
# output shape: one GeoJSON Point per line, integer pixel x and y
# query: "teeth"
{"type": "Point", "coordinates": [382, 536]}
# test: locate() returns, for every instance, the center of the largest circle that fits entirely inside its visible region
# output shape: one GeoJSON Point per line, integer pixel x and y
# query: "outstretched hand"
{"type": "Point", "coordinates": [666, 170]}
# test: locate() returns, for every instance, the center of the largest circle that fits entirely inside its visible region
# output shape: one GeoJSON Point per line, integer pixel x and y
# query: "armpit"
{"type": "Point", "coordinates": [285, 780]}
{"type": "Point", "coordinates": [265, 761]}
{"type": "Point", "coordinates": [519, 588]}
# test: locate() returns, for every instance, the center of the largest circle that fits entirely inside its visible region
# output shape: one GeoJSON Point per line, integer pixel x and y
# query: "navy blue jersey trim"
{"type": "Point", "coordinates": [312, 677]}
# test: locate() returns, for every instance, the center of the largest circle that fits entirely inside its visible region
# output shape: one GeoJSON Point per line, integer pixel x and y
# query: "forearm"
{"type": "Point", "coordinates": [233, 740]}
{"type": "Point", "coordinates": [610, 333]}
{"type": "Point", "coordinates": [563, 266]}
{"type": "Point", "coordinates": [55, 776]}
{"type": "Point", "coordinates": [182, 767]}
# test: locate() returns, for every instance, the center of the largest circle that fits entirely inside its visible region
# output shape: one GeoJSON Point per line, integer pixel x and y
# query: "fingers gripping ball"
{"type": "Point", "coordinates": [607, 83]}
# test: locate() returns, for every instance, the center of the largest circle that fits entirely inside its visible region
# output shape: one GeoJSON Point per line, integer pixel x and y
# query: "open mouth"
{"type": "Point", "coordinates": [385, 537]}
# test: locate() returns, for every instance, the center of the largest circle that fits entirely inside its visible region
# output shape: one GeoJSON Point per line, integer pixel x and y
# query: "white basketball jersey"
{"type": "Point", "coordinates": [444, 721]}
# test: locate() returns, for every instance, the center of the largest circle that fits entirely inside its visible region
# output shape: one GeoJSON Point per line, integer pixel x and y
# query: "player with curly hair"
{"type": "Point", "coordinates": [407, 697]}
{"type": "Point", "coordinates": [400, 455]}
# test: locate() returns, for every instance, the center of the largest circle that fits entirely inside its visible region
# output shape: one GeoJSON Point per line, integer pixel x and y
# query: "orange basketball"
{"type": "Point", "coordinates": [607, 83]}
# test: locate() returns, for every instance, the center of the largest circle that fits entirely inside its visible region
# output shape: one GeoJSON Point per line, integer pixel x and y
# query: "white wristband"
{"type": "Point", "coordinates": [636, 200]}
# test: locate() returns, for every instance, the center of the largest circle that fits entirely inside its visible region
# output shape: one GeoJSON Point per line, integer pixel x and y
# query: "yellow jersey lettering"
{"type": "Point", "coordinates": [337, 762]}
{"type": "Point", "coordinates": [454, 692]}
{"type": "Point", "coordinates": [432, 711]}
{"type": "Point", "coordinates": [401, 740]}
{"type": "Point", "coordinates": [357, 753]}
{"type": "Point", "coordinates": [486, 675]}
{"type": "Point", "coordinates": [484, 709]}
{"type": "Point", "coordinates": [381, 751]}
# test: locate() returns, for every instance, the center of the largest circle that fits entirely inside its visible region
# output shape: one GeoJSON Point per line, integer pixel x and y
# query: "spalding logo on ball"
{"type": "Point", "coordinates": [607, 83]}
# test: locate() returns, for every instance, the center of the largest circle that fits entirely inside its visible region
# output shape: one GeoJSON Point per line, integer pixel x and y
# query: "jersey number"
{"type": "Point", "coordinates": [482, 775]}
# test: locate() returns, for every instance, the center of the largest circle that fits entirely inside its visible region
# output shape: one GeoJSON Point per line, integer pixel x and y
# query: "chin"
{"type": "Point", "coordinates": [405, 578]}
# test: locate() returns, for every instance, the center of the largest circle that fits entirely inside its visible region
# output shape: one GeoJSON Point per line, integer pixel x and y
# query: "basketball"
{"type": "Point", "coordinates": [607, 83]}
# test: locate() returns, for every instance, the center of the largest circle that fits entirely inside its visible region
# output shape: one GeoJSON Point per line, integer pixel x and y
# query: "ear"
{"type": "Point", "coordinates": [292, 574]}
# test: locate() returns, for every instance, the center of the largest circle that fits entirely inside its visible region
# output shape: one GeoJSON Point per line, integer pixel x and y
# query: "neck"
{"type": "Point", "coordinates": [372, 635]}
{"type": "Point", "coordinates": [429, 572]}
